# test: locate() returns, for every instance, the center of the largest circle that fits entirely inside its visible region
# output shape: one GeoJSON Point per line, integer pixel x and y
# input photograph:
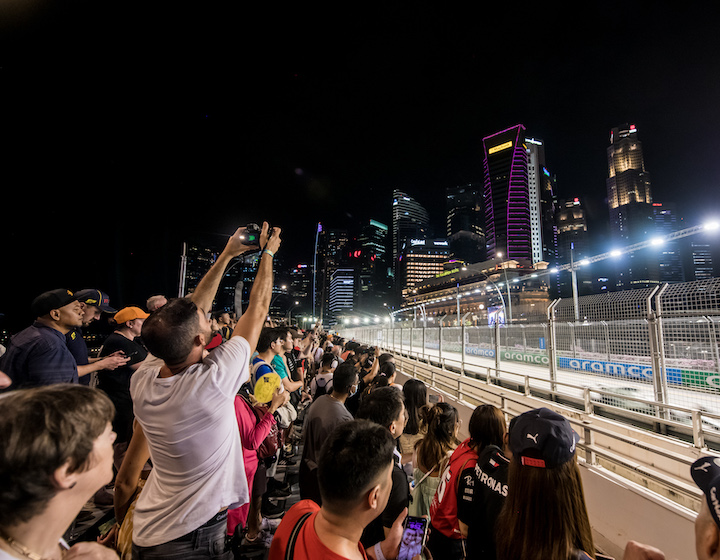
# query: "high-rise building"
{"type": "Point", "coordinates": [630, 206]}
{"type": "Point", "coordinates": [410, 220]}
{"type": "Point", "coordinates": [628, 182]}
{"type": "Point", "coordinates": [341, 297]}
{"type": "Point", "coordinates": [542, 204]}
{"type": "Point", "coordinates": [421, 259]}
{"type": "Point", "coordinates": [301, 287]}
{"type": "Point", "coordinates": [373, 277]}
{"type": "Point", "coordinates": [572, 246]}
{"type": "Point", "coordinates": [464, 224]}
{"type": "Point", "coordinates": [702, 261]}
{"type": "Point", "coordinates": [330, 256]}
{"type": "Point", "coordinates": [669, 258]}
{"type": "Point", "coordinates": [506, 194]}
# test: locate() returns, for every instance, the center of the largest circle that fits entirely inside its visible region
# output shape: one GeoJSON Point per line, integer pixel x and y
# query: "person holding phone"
{"type": "Point", "coordinates": [125, 339]}
{"type": "Point", "coordinates": [413, 539]}
{"type": "Point", "coordinates": [184, 404]}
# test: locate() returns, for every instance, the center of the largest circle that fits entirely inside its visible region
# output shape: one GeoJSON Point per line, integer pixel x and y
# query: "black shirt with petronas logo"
{"type": "Point", "coordinates": [481, 495]}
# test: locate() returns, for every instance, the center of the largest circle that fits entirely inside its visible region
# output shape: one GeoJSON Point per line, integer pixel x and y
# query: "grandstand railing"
{"type": "Point", "coordinates": [648, 356]}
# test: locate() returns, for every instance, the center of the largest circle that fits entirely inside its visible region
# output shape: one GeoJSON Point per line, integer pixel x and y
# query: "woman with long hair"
{"type": "Point", "coordinates": [415, 393]}
{"type": "Point", "coordinates": [447, 539]}
{"type": "Point", "coordinates": [389, 370]}
{"type": "Point", "coordinates": [442, 423]}
{"type": "Point", "coordinates": [544, 515]}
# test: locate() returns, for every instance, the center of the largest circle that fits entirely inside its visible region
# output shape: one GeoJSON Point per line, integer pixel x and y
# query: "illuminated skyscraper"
{"type": "Point", "coordinates": [421, 259]}
{"type": "Point", "coordinates": [543, 234]}
{"type": "Point", "coordinates": [628, 183]}
{"type": "Point", "coordinates": [342, 289]}
{"type": "Point", "coordinates": [572, 236]}
{"type": "Point", "coordinates": [409, 220]}
{"type": "Point", "coordinates": [630, 206]}
{"type": "Point", "coordinates": [506, 193]}
{"type": "Point", "coordinates": [373, 284]}
{"type": "Point", "coordinates": [669, 258]}
{"type": "Point", "coordinates": [332, 244]}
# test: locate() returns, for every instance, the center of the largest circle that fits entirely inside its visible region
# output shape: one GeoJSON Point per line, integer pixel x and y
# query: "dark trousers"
{"type": "Point", "coordinates": [445, 548]}
{"type": "Point", "coordinates": [206, 542]}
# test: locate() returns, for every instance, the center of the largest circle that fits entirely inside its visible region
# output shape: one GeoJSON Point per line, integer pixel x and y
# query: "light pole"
{"type": "Point", "coordinates": [457, 300]}
{"type": "Point", "coordinates": [290, 313]}
{"type": "Point", "coordinates": [507, 284]}
{"type": "Point", "coordinates": [574, 282]}
{"type": "Point", "coordinates": [392, 319]}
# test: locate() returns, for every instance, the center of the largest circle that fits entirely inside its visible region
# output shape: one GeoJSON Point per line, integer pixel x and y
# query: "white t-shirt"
{"type": "Point", "coordinates": [194, 440]}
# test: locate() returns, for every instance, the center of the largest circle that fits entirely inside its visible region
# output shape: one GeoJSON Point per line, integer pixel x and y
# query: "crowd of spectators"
{"type": "Point", "coordinates": [186, 414]}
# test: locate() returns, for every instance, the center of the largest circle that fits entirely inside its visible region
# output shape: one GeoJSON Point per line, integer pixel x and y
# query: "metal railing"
{"type": "Point", "coordinates": [652, 352]}
{"type": "Point", "coordinates": [658, 463]}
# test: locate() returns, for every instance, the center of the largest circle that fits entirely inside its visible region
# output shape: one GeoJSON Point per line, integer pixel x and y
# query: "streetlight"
{"type": "Point", "coordinates": [509, 301]}
{"type": "Point", "coordinates": [574, 281]}
{"type": "Point", "coordinates": [392, 319]}
{"type": "Point", "coordinates": [290, 312]}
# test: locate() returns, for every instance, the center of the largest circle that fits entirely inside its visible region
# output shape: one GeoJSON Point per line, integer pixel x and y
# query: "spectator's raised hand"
{"type": "Point", "coordinates": [236, 244]}
{"type": "Point", "coordinates": [270, 238]}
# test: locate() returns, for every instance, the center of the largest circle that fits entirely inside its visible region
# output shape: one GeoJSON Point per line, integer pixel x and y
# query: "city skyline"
{"type": "Point", "coordinates": [125, 131]}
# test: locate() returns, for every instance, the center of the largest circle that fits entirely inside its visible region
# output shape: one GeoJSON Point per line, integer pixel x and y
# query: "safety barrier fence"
{"type": "Point", "coordinates": [651, 352]}
{"type": "Point", "coordinates": [647, 461]}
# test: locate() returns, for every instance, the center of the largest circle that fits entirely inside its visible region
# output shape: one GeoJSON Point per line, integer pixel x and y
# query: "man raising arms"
{"type": "Point", "coordinates": [184, 407]}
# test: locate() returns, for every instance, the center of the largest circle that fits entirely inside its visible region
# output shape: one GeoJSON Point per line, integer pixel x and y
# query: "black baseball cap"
{"type": "Point", "coordinates": [706, 474]}
{"type": "Point", "coordinates": [542, 438]}
{"type": "Point", "coordinates": [97, 298]}
{"type": "Point", "coordinates": [54, 299]}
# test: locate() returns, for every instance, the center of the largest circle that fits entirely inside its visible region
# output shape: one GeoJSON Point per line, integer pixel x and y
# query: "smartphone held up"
{"type": "Point", "coordinates": [414, 537]}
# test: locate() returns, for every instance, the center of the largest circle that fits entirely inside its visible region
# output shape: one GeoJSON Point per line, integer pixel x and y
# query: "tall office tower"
{"type": "Point", "coordinates": [410, 220]}
{"type": "Point", "coordinates": [630, 205]}
{"type": "Point", "coordinates": [331, 249]}
{"type": "Point", "coordinates": [572, 244]}
{"type": "Point", "coordinates": [465, 219]}
{"type": "Point", "coordinates": [301, 287]}
{"type": "Point", "coordinates": [374, 280]}
{"type": "Point", "coordinates": [702, 261]}
{"type": "Point", "coordinates": [507, 199]}
{"type": "Point", "coordinates": [668, 253]}
{"type": "Point", "coordinates": [698, 259]}
{"type": "Point", "coordinates": [341, 297]}
{"type": "Point", "coordinates": [542, 204]}
{"type": "Point", "coordinates": [421, 259]}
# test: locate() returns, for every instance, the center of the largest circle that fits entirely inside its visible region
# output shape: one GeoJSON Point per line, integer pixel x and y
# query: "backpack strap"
{"type": "Point", "coordinates": [256, 366]}
{"type": "Point", "coordinates": [290, 550]}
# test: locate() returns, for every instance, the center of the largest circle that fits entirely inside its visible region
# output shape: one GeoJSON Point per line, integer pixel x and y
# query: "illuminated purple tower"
{"type": "Point", "coordinates": [506, 194]}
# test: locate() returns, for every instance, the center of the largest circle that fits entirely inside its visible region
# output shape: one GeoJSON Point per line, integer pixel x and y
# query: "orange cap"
{"type": "Point", "coordinates": [128, 314]}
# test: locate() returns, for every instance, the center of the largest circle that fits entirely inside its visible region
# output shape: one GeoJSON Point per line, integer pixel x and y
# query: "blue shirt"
{"type": "Point", "coordinates": [78, 348]}
{"type": "Point", "coordinates": [38, 355]}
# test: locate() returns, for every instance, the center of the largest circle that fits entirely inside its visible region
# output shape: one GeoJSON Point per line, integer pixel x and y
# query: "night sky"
{"type": "Point", "coordinates": [127, 128]}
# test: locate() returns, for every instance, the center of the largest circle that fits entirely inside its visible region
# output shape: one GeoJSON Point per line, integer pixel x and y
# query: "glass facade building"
{"type": "Point", "coordinates": [506, 194]}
